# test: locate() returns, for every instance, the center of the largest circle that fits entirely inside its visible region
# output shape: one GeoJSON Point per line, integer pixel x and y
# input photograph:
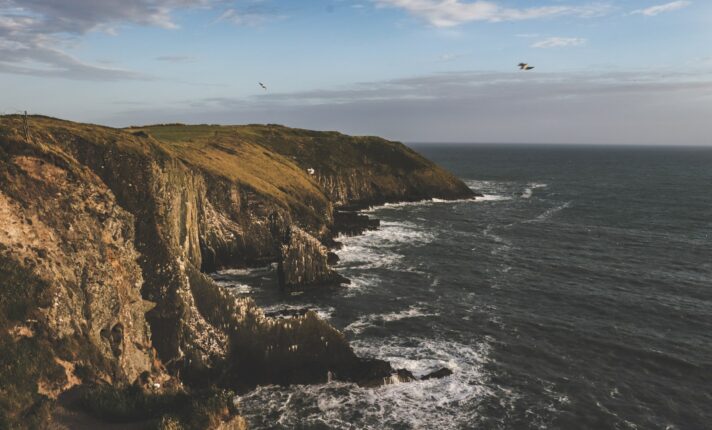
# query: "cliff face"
{"type": "Point", "coordinates": [106, 233]}
{"type": "Point", "coordinates": [304, 260]}
{"type": "Point", "coordinates": [70, 298]}
{"type": "Point", "coordinates": [361, 171]}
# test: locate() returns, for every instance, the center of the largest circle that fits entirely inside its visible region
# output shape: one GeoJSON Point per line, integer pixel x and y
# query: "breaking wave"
{"type": "Point", "coordinates": [421, 404]}
{"type": "Point", "coordinates": [529, 191]}
{"type": "Point", "coordinates": [367, 321]}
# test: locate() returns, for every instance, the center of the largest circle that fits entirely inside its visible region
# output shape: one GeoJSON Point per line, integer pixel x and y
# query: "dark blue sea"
{"type": "Point", "coordinates": [576, 294]}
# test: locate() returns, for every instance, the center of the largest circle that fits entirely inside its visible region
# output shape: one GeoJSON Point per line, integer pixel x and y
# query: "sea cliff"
{"type": "Point", "coordinates": [106, 236]}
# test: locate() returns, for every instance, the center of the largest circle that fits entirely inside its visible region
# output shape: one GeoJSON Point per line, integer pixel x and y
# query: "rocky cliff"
{"type": "Point", "coordinates": [105, 235]}
{"type": "Point", "coordinates": [361, 171]}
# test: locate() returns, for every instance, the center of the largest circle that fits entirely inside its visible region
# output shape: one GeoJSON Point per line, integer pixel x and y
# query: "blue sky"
{"type": "Point", "coordinates": [623, 71]}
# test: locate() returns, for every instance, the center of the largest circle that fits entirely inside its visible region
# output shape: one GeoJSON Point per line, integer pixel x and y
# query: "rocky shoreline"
{"type": "Point", "coordinates": [107, 235]}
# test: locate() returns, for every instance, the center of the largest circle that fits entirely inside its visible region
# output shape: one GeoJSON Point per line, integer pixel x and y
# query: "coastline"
{"type": "Point", "coordinates": [179, 215]}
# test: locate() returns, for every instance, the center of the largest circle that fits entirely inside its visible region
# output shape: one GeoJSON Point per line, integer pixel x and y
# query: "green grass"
{"type": "Point", "coordinates": [231, 152]}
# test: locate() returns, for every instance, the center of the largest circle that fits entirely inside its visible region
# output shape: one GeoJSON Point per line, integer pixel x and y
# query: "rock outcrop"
{"type": "Point", "coordinates": [304, 260]}
{"type": "Point", "coordinates": [105, 236]}
{"type": "Point", "coordinates": [356, 172]}
{"type": "Point", "coordinates": [70, 284]}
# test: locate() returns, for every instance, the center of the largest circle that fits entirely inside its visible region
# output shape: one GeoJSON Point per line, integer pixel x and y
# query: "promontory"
{"type": "Point", "coordinates": [106, 239]}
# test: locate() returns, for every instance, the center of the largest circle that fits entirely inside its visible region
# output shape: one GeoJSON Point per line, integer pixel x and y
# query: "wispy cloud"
{"type": "Point", "coordinates": [662, 8]}
{"type": "Point", "coordinates": [35, 34]}
{"type": "Point", "coordinates": [251, 16]}
{"type": "Point", "coordinates": [176, 58]}
{"type": "Point", "coordinates": [559, 42]}
{"type": "Point", "coordinates": [604, 107]}
{"type": "Point", "coordinates": [449, 56]}
{"type": "Point", "coordinates": [450, 13]}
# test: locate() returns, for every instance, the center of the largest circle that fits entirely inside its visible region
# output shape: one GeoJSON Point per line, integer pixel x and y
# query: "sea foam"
{"type": "Point", "coordinates": [434, 403]}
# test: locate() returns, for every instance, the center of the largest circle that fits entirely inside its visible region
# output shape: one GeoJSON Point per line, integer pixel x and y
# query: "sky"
{"type": "Point", "coordinates": [605, 71]}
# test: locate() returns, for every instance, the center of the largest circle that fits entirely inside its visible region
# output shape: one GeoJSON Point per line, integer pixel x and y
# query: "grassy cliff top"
{"type": "Point", "coordinates": [212, 149]}
{"type": "Point", "coordinates": [328, 151]}
{"type": "Point", "coordinates": [272, 160]}
{"type": "Point", "coordinates": [390, 170]}
{"type": "Point", "coordinates": [233, 153]}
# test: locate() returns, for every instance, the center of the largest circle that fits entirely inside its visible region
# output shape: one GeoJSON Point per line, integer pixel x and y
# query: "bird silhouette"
{"type": "Point", "coordinates": [525, 66]}
{"type": "Point", "coordinates": [263, 86]}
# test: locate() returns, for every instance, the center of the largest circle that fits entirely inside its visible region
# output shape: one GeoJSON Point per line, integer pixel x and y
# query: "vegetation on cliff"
{"type": "Point", "coordinates": [106, 235]}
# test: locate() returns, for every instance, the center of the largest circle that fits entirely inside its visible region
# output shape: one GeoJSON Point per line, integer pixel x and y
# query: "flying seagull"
{"type": "Point", "coordinates": [525, 66]}
{"type": "Point", "coordinates": [263, 86]}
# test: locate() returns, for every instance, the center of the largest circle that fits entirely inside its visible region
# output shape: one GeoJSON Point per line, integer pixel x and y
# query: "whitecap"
{"type": "Point", "coordinates": [536, 185]}
{"type": "Point", "coordinates": [425, 202]}
{"type": "Point", "coordinates": [376, 248]}
{"type": "Point", "coordinates": [492, 198]}
{"type": "Point", "coordinates": [551, 212]}
{"type": "Point", "coordinates": [365, 321]}
{"type": "Point", "coordinates": [283, 310]}
{"type": "Point", "coordinates": [529, 191]}
{"type": "Point", "coordinates": [434, 403]}
{"type": "Point", "coordinates": [243, 271]}
{"type": "Point", "coordinates": [360, 283]}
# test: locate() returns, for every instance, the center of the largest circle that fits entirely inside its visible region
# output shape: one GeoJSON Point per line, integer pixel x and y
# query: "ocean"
{"type": "Point", "coordinates": [576, 294]}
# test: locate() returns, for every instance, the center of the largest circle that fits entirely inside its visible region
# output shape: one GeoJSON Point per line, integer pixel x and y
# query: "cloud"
{"type": "Point", "coordinates": [449, 56]}
{"type": "Point", "coordinates": [450, 13]}
{"type": "Point", "coordinates": [667, 7]}
{"type": "Point", "coordinates": [252, 16]}
{"type": "Point", "coordinates": [592, 107]}
{"type": "Point", "coordinates": [176, 58]}
{"type": "Point", "coordinates": [559, 42]}
{"type": "Point", "coordinates": [34, 34]}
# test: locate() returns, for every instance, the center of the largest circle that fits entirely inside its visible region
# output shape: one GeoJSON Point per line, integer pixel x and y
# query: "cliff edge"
{"type": "Point", "coordinates": [105, 236]}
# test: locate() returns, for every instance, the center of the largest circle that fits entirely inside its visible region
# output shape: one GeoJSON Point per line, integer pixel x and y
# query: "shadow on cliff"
{"type": "Point", "coordinates": [106, 232]}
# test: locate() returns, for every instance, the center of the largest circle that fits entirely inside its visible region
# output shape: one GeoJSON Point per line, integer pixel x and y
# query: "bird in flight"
{"type": "Point", "coordinates": [525, 66]}
{"type": "Point", "coordinates": [263, 86]}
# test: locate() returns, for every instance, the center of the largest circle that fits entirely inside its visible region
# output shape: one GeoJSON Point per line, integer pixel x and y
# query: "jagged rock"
{"type": "Point", "coordinates": [304, 261]}
{"type": "Point", "coordinates": [353, 223]}
{"type": "Point", "coordinates": [440, 373]}
{"type": "Point", "coordinates": [70, 298]}
{"type": "Point", "coordinates": [101, 225]}
{"type": "Point", "coordinates": [332, 258]}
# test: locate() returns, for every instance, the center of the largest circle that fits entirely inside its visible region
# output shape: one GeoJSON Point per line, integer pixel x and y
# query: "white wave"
{"type": "Point", "coordinates": [361, 283]}
{"type": "Point", "coordinates": [429, 202]}
{"type": "Point", "coordinates": [366, 257]}
{"type": "Point", "coordinates": [435, 200]}
{"type": "Point", "coordinates": [502, 245]}
{"type": "Point", "coordinates": [241, 288]}
{"type": "Point", "coordinates": [422, 356]}
{"type": "Point", "coordinates": [376, 248]}
{"type": "Point", "coordinates": [435, 403]}
{"type": "Point", "coordinates": [425, 202]}
{"type": "Point", "coordinates": [324, 313]}
{"type": "Point", "coordinates": [391, 233]}
{"type": "Point", "coordinates": [529, 191]}
{"type": "Point", "coordinates": [479, 185]}
{"type": "Point", "coordinates": [492, 198]}
{"type": "Point", "coordinates": [244, 271]}
{"type": "Point", "coordinates": [366, 321]}
{"type": "Point", "coordinates": [488, 187]}
{"type": "Point", "coordinates": [551, 212]}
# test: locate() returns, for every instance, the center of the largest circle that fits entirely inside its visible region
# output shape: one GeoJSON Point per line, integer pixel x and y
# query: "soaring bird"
{"type": "Point", "coordinates": [263, 86]}
{"type": "Point", "coordinates": [525, 66]}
